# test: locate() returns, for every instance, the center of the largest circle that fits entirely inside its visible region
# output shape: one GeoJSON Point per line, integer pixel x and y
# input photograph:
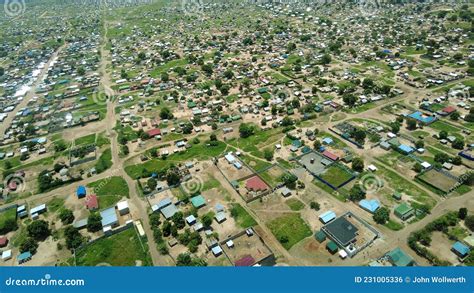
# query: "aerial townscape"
{"type": "Point", "coordinates": [236, 133]}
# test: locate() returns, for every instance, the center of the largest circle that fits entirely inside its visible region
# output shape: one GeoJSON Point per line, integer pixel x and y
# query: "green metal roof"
{"type": "Point", "coordinates": [332, 246]}
{"type": "Point", "coordinates": [403, 209]}
{"type": "Point", "coordinates": [198, 201]}
{"type": "Point", "coordinates": [320, 236]}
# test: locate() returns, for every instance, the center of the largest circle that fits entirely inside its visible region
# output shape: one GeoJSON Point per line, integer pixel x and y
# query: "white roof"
{"type": "Point", "coordinates": [7, 254]}
{"type": "Point", "coordinates": [123, 205]}
{"type": "Point", "coordinates": [372, 168]}
{"type": "Point", "coordinates": [342, 253]}
{"type": "Point", "coordinates": [230, 243]}
{"type": "Point", "coordinates": [425, 165]}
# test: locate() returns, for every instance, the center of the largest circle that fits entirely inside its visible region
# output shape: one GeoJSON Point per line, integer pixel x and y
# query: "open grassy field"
{"type": "Point", "coordinates": [200, 151]}
{"type": "Point", "coordinates": [289, 229]}
{"type": "Point", "coordinates": [336, 175]}
{"type": "Point", "coordinates": [122, 249]}
{"type": "Point", "coordinates": [88, 139]}
{"type": "Point", "coordinates": [109, 190]}
{"type": "Point", "coordinates": [295, 204]}
{"type": "Point", "coordinates": [438, 180]}
{"type": "Point", "coordinates": [399, 183]}
{"type": "Point", "coordinates": [9, 214]}
{"type": "Point", "coordinates": [242, 217]}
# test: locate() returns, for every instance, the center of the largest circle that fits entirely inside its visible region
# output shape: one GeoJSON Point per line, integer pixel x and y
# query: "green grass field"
{"type": "Point", "coordinates": [122, 249]}
{"type": "Point", "coordinates": [295, 204]}
{"type": "Point", "coordinates": [336, 175]}
{"type": "Point", "coordinates": [289, 229]}
{"type": "Point", "coordinates": [109, 190]}
{"type": "Point", "coordinates": [399, 183]}
{"type": "Point", "coordinates": [200, 151]}
{"type": "Point", "coordinates": [242, 217]}
{"type": "Point", "coordinates": [88, 139]}
{"type": "Point", "coordinates": [6, 215]}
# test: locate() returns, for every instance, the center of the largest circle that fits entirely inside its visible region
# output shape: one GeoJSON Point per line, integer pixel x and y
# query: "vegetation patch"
{"type": "Point", "coordinates": [289, 229]}
{"type": "Point", "coordinates": [125, 248]}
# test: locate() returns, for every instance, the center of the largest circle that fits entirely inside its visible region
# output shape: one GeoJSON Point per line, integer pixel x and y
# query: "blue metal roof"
{"type": "Point", "coordinates": [81, 190]}
{"type": "Point", "coordinates": [327, 216]}
{"type": "Point", "coordinates": [327, 140]}
{"type": "Point", "coordinates": [461, 248]}
{"type": "Point", "coordinates": [423, 118]}
{"type": "Point", "coordinates": [169, 211]}
{"type": "Point", "coordinates": [25, 255]}
{"type": "Point", "coordinates": [370, 205]}
{"type": "Point", "coordinates": [109, 217]}
{"type": "Point", "coordinates": [405, 148]}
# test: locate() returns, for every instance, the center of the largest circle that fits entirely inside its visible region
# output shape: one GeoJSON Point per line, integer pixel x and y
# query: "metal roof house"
{"type": "Point", "coordinates": [370, 205]}
{"type": "Point", "coordinates": [109, 217]}
{"type": "Point", "coordinates": [198, 201]}
{"type": "Point", "coordinates": [341, 231]}
{"type": "Point", "coordinates": [24, 257]}
{"type": "Point", "coordinates": [404, 211]}
{"type": "Point", "coordinates": [169, 211]}
{"type": "Point", "coordinates": [81, 191]}
{"type": "Point", "coordinates": [460, 249]}
{"type": "Point", "coordinates": [38, 210]}
{"type": "Point", "coordinates": [327, 217]}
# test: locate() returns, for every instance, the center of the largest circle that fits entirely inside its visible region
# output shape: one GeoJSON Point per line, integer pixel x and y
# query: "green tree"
{"type": "Point", "coordinates": [74, 239]}
{"type": "Point", "coordinates": [66, 216]}
{"type": "Point", "coordinates": [314, 205]}
{"type": "Point", "coordinates": [462, 213]}
{"type": "Point", "coordinates": [469, 221]}
{"type": "Point", "coordinates": [94, 222]}
{"type": "Point", "coordinates": [358, 164]}
{"type": "Point", "coordinates": [38, 230]}
{"type": "Point", "coordinates": [268, 154]}
{"type": "Point", "coordinates": [152, 183]}
{"type": "Point", "coordinates": [411, 124]}
{"type": "Point", "coordinates": [381, 215]}
{"type": "Point", "coordinates": [29, 244]}
{"type": "Point", "coordinates": [246, 130]}
{"type": "Point", "coordinates": [356, 193]}
{"type": "Point", "coordinates": [165, 113]}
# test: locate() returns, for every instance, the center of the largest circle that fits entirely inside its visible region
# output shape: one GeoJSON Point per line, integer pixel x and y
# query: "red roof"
{"type": "Point", "coordinates": [449, 109]}
{"type": "Point", "coordinates": [154, 132]}
{"type": "Point", "coordinates": [91, 202]}
{"type": "Point", "coordinates": [3, 241]}
{"type": "Point", "coordinates": [245, 261]}
{"type": "Point", "coordinates": [330, 155]}
{"type": "Point", "coordinates": [256, 184]}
